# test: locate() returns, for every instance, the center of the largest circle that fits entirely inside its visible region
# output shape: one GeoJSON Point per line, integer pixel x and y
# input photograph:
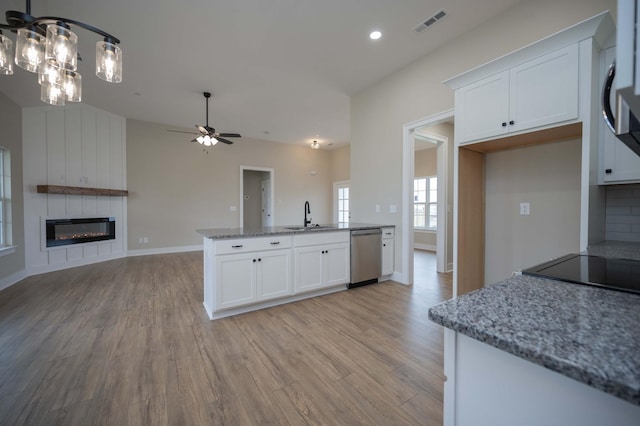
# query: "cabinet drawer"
{"type": "Point", "coordinates": [243, 245]}
{"type": "Point", "coordinates": [388, 233]}
{"type": "Point", "coordinates": [314, 238]}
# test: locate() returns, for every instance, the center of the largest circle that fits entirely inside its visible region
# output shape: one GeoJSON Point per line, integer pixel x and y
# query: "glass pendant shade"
{"type": "Point", "coordinates": [207, 140]}
{"type": "Point", "coordinates": [214, 141]}
{"type": "Point", "coordinates": [53, 95]}
{"type": "Point", "coordinates": [50, 74]}
{"type": "Point", "coordinates": [62, 46]}
{"type": "Point", "coordinates": [29, 49]}
{"type": "Point", "coordinates": [72, 86]}
{"type": "Point", "coordinates": [108, 61]}
{"type": "Point", "coordinates": [6, 58]}
{"type": "Point", "coordinates": [200, 139]}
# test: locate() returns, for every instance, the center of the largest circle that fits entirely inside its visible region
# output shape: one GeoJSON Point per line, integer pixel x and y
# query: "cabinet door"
{"type": "Point", "coordinates": [235, 277]}
{"type": "Point", "coordinates": [308, 268]}
{"type": "Point", "coordinates": [620, 163]}
{"type": "Point", "coordinates": [388, 254]}
{"type": "Point", "coordinates": [273, 274]}
{"type": "Point", "coordinates": [482, 108]}
{"type": "Point", "coordinates": [337, 265]}
{"type": "Point", "coordinates": [544, 91]}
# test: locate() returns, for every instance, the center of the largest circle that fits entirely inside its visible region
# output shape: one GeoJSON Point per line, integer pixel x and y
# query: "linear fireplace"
{"type": "Point", "coordinates": [62, 232]}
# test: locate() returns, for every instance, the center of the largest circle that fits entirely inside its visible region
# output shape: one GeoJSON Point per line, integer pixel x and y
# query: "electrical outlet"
{"type": "Point", "coordinates": [232, 208]}
{"type": "Point", "coordinates": [393, 208]}
{"type": "Point", "coordinates": [524, 209]}
{"type": "Point", "coordinates": [140, 240]}
{"type": "Point", "coordinates": [377, 208]}
{"type": "Point", "coordinates": [145, 240]}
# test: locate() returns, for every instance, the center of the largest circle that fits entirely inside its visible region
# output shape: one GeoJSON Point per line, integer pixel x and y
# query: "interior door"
{"type": "Point", "coordinates": [267, 216]}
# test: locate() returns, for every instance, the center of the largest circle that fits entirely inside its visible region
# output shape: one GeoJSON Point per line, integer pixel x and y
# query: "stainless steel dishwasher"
{"type": "Point", "coordinates": [366, 256]}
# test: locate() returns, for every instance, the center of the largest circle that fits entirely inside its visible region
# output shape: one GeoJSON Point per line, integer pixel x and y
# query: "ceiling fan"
{"type": "Point", "coordinates": [208, 136]}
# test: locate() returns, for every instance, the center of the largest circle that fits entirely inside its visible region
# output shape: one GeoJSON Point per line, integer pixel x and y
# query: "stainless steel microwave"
{"type": "Point", "coordinates": [624, 124]}
{"type": "Point", "coordinates": [624, 121]}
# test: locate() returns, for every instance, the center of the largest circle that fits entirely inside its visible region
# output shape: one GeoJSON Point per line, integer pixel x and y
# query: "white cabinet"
{"type": "Point", "coordinates": [537, 93]}
{"type": "Point", "coordinates": [258, 270]}
{"type": "Point", "coordinates": [388, 251]}
{"type": "Point", "coordinates": [619, 164]}
{"type": "Point", "coordinates": [321, 261]}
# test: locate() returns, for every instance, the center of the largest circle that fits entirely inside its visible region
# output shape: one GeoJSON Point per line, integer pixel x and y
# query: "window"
{"type": "Point", "coordinates": [5, 198]}
{"type": "Point", "coordinates": [343, 204]}
{"type": "Point", "coordinates": [425, 203]}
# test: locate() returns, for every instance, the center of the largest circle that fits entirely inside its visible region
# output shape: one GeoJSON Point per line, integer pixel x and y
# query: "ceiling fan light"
{"type": "Point", "coordinates": [214, 141]}
{"type": "Point", "coordinates": [53, 95]}
{"type": "Point", "coordinates": [315, 145]}
{"type": "Point", "coordinates": [108, 61]}
{"type": "Point", "coordinates": [62, 46]}
{"type": "Point", "coordinates": [72, 86]}
{"type": "Point", "coordinates": [200, 139]}
{"type": "Point", "coordinates": [6, 58]}
{"type": "Point", "coordinates": [29, 49]}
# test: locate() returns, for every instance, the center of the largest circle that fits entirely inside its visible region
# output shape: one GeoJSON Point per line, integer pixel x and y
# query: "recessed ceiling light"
{"type": "Point", "coordinates": [375, 35]}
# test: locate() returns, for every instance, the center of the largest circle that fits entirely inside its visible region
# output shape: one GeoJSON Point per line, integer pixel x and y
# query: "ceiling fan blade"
{"type": "Point", "coordinates": [194, 140]}
{"type": "Point", "coordinates": [202, 129]}
{"type": "Point", "coordinates": [229, 135]}
{"type": "Point", "coordinates": [224, 141]}
{"type": "Point", "coordinates": [180, 131]}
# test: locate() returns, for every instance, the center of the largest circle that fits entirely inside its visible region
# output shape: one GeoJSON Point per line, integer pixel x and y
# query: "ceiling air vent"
{"type": "Point", "coordinates": [432, 20]}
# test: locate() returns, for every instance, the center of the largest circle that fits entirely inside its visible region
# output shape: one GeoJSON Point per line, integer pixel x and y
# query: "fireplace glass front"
{"type": "Point", "coordinates": [61, 232]}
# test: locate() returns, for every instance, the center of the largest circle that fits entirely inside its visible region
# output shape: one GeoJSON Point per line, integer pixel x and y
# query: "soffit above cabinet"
{"type": "Point", "coordinates": [601, 27]}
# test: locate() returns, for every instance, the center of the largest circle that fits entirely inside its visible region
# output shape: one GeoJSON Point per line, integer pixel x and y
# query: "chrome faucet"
{"type": "Point", "coordinates": [307, 210]}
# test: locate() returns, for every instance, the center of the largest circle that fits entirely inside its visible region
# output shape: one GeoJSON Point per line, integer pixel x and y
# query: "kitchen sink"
{"type": "Point", "coordinates": [309, 228]}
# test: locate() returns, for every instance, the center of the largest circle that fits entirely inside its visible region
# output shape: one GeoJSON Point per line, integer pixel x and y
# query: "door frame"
{"type": "Point", "coordinates": [271, 172]}
{"type": "Point", "coordinates": [408, 168]}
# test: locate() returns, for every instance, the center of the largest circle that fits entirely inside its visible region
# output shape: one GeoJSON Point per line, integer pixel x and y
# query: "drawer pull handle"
{"type": "Point", "coordinates": [238, 246]}
{"type": "Point", "coordinates": [275, 243]}
{"type": "Point", "coordinates": [387, 233]}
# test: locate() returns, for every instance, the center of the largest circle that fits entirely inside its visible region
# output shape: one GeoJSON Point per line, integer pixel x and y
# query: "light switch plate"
{"type": "Point", "coordinates": [524, 209]}
{"type": "Point", "coordinates": [393, 208]}
{"type": "Point", "coordinates": [377, 208]}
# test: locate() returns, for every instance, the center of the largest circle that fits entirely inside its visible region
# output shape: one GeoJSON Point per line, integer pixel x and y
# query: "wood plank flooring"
{"type": "Point", "coordinates": [127, 342]}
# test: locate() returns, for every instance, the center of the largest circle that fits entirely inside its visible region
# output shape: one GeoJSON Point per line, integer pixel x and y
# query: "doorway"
{"type": "Point", "coordinates": [256, 197]}
{"type": "Point", "coordinates": [443, 232]}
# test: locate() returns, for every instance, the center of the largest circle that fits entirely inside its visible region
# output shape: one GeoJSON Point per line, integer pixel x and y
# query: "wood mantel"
{"type": "Point", "coordinates": [80, 190]}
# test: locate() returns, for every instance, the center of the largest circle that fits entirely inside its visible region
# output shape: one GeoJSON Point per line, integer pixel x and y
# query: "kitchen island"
{"type": "Point", "coordinates": [249, 269]}
{"type": "Point", "coordinates": [533, 351]}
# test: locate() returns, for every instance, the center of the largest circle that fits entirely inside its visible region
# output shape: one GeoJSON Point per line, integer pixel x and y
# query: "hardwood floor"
{"type": "Point", "coordinates": [128, 342]}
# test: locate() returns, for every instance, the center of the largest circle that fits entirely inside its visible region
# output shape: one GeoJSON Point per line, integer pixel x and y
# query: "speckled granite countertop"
{"type": "Point", "coordinates": [586, 333]}
{"type": "Point", "coordinates": [227, 233]}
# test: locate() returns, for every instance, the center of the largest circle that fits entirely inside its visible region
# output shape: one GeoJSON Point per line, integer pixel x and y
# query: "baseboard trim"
{"type": "Point", "coordinates": [13, 279]}
{"type": "Point", "coordinates": [427, 247]}
{"type": "Point", "coordinates": [163, 250]}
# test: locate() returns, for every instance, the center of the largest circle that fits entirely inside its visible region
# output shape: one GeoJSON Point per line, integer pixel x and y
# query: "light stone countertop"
{"type": "Point", "coordinates": [228, 233]}
{"type": "Point", "coordinates": [586, 333]}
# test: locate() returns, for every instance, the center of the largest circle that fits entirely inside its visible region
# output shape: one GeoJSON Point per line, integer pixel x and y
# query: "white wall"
{"type": "Point", "coordinates": [548, 178]}
{"type": "Point", "coordinates": [379, 112]}
{"type": "Point", "coordinates": [74, 146]}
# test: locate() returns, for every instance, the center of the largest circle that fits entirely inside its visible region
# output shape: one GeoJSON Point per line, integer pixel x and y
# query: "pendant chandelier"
{"type": "Point", "coordinates": [47, 46]}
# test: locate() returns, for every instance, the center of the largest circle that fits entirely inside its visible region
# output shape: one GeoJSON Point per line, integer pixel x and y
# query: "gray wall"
{"type": "Point", "coordinates": [623, 213]}
{"type": "Point", "coordinates": [11, 125]}
{"type": "Point", "coordinates": [176, 188]}
{"type": "Point", "coordinates": [546, 176]}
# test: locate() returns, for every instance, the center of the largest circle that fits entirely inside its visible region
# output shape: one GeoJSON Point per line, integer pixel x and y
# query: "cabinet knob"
{"type": "Point", "coordinates": [384, 245]}
{"type": "Point", "coordinates": [512, 122]}
{"type": "Point", "coordinates": [504, 124]}
{"type": "Point", "coordinates": [608, 171]}
{"type": "Point", "coordinates": [254, 261]}
{"type": "Point", "coordinates": [259, 260]}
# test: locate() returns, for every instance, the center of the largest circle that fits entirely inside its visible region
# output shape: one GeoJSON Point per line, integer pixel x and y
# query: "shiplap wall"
{"type": "Point", "coordinates": [623, 213]}
{"type": "Point", "coordinates": [75, 146]}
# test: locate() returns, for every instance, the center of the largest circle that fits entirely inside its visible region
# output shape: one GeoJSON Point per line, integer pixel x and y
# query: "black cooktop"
{"type": "Point", "coordinates": [614, 274]}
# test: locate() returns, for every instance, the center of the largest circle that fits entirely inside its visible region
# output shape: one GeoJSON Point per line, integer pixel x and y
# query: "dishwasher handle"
{"type": "Point", "coordinates": [366, 232]}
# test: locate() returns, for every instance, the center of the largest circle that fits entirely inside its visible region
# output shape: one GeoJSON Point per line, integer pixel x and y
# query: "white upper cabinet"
{"type": "Point", "coordinates": [538, 93]}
